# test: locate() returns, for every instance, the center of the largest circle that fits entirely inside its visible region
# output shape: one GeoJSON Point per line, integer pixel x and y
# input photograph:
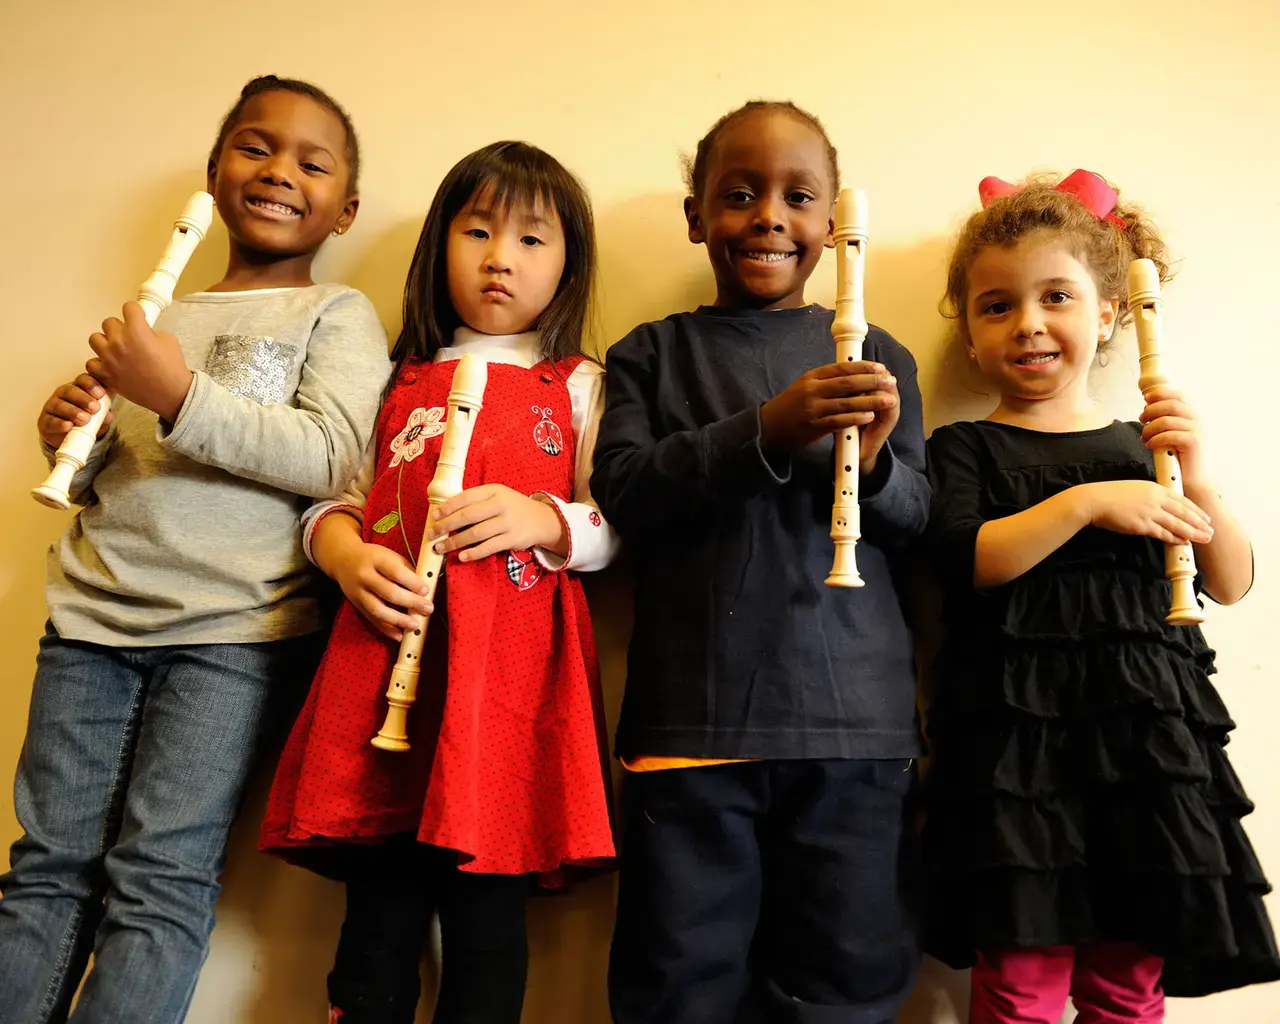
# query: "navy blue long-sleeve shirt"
{"type": "Point", "coordinates": [739, 649]}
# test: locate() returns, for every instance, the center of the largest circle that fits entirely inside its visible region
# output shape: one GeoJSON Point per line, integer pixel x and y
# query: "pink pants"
{"type": "Point", "coordinates": [1109, 982]}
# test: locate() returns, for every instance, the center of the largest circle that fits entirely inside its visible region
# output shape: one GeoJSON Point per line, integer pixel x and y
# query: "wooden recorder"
{"type": "Point", "coordinates": [849, 328]}
{"type": "Point", "coordinates": [466, 399]}
{"type": "Point", "coordinates": [155, 294]}
{"type": "Point", "coordinates": [1179, 559]}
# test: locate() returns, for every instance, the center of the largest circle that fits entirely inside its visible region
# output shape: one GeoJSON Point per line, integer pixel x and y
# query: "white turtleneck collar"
{"type": "Point", "coordinates": [519, 349]}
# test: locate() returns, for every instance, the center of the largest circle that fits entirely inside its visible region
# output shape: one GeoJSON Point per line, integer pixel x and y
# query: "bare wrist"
{"type": "Point", "coordinates": [1078, 504]}
{"type": "Point", "coordinates": [332, 558]}
{"type": "Point", "coordinates": [1199, 489]}
{"type": "Point", "coordinates": [552, 534]}
{"type": "Point", "coordinates": [177, 398]}
{"type": "Point", "coordinates": [336, 540]}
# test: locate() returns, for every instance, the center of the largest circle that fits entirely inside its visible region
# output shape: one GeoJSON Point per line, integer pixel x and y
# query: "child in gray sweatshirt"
{"type": "Point", "coordinates": [180, 602]}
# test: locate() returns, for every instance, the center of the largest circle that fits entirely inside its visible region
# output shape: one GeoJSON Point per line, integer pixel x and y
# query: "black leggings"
{"type": "Point", "coordinates": [393, 890]}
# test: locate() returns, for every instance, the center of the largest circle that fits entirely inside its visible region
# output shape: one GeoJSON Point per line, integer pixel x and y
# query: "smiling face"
{"type": "Point", "coordinates": [281, 179]}
{"type": "Point", "coordinates": [504, 263]}
{"type": "Point", "coordinates": [765, 210]}
{"type": "Point", "coordinates": [1035, 320]}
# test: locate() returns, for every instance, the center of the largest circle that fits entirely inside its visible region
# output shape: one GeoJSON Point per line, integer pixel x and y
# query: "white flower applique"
{"type": "Point", "coordinates": [410, 442]}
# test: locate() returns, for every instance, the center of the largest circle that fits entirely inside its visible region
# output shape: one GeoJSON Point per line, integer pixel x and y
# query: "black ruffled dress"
{"type": "Point", "coordinates": [1078, 788]}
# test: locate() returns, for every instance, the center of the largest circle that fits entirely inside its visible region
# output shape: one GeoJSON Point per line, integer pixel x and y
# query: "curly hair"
{"type": "Point", "coordinates": [1039, 207]}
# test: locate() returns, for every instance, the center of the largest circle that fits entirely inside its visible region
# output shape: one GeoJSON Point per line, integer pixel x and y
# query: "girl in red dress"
{"type": "Point", "coordinates": [506, 781]}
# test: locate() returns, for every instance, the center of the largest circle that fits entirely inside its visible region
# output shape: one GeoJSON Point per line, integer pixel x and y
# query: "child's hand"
{"type": "Point", "coordinates": [831, 398]}
{"type": "Point", "coordinates": [871, 438]}
{"type": "Point", "coordinates": [1144, 508]}
{"type": "Point", "coordinates": [1168, 422]}
{"type": "Point", "coordinates": [383, 587]}
{"type": "Point", "coordinates": [486, 520]}
{"type": "Point", "coordinates": [144, 366]}
{"type": "Point", "coordinates": [70, 406]}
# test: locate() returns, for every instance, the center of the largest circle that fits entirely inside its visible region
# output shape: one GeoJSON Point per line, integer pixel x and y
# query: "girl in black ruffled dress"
{"type": "Point", "coordinates": [1084, 833]}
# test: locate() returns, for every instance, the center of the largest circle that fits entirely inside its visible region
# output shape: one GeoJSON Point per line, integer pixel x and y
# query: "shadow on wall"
{"type": "Point", "coordinates": [380, 270]}
{"type": "Point", "coordinates": [648, 267]}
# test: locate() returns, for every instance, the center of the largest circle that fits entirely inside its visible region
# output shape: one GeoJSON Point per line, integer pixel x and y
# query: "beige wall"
{"type": "Point", "coordinates": [106, 112]}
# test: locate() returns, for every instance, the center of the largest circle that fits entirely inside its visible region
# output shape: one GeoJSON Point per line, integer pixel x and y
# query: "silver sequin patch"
{"type": "Point", "coordinates": [252, 366]}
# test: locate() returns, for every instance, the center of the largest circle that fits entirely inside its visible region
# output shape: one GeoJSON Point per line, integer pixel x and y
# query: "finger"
{"type": "Point", "coordinates": [74, 395]}
{"type": "Point", "coordinates": [858, 367]}
{"type": "Point", "coordinates": [1183, 531]}
{"type": "Point", "coordinates": [1169, 528]}
{"type": "Point", "coordinates": [1178, 441]}
{"type": "Point", "coordinates": [466, 538]}
{"type": "Point", "coordinates": [71, 411]}
{"type": "Point", "coordinates": [403, 601]}
{"type": "Point", "coordinates": [876, 401]}
{"type": "Point", "coordinates": [492, 546]}
{"type": "Point", "coordinates": [1161, 393]}
{"type": "Point", "coordinates": [854, 384]}
{"type": "Point", "coordinates": [886, 420]}
{"type": "Point", "coordinates": [89, 385]}
{"type": "Point", "coordinates": [463, 499]}
{"type": "Point", "coordinates": [370, 613]}
{"type": "Point", "coordinates": [407, 594]}
{"type": "Point", "coordinates": [472, 515]}
{"type": "Point", "coordinates": [391, 621]}
{"type": "Point", "coordinates": [99, 370]}
{"type": "Point", "coordinates": [1168, 422]}
{"type": "Point", "coordinates": [133, 316]}
{"type": "Point", "coordinates": [456, 505]}
{"type": "Point", "coordinates": [99, 343]}
{"type": "Point", "coordinates": [1161, 533]}
{"type": "Point", "coordinates": [112, 327]}
{"type": "Point", "coordinates": [396, 568]}
{"type": "Point", "coordinates": [1173, 500]}
{"type": "Point", "coordinates": [49, 426]}
{"type": "Point", "coordinates": [1188, 512]}
{"type": "Point", "coordinates": [1168, 407]}
{"type": "Point", "coordinates": [378, 608]}
{"type": "Point", "coordinates": [834, 424]}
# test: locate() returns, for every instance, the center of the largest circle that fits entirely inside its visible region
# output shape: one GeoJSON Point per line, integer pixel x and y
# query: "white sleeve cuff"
{"type": "Point", "coordinates": [593, 544]}
{"type": "Point", "coordinates": [312, 516]}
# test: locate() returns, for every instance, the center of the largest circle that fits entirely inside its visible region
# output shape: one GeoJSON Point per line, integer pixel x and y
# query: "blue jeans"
{"type": "Point", "coordinates": [135, 763]}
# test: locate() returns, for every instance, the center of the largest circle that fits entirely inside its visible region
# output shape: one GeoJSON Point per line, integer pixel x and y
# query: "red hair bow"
{"type": "Point", "coordinates": [1098, 197]}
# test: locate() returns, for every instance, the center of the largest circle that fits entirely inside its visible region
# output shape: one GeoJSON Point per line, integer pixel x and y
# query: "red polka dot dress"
{"type": "Point", "coordinates": [507, 759]}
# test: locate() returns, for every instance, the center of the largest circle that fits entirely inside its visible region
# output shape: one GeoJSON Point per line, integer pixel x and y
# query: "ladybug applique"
{"type": "Point", "coordinates": [522, 570]}
{"type": "Point", "coordinates": [546, 435]}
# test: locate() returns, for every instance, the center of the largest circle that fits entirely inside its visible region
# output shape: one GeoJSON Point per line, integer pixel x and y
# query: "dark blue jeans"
{"type": "Point", "coordinates": [134, 765]}
{"type": "Point", "coordinates": [777, 891]}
